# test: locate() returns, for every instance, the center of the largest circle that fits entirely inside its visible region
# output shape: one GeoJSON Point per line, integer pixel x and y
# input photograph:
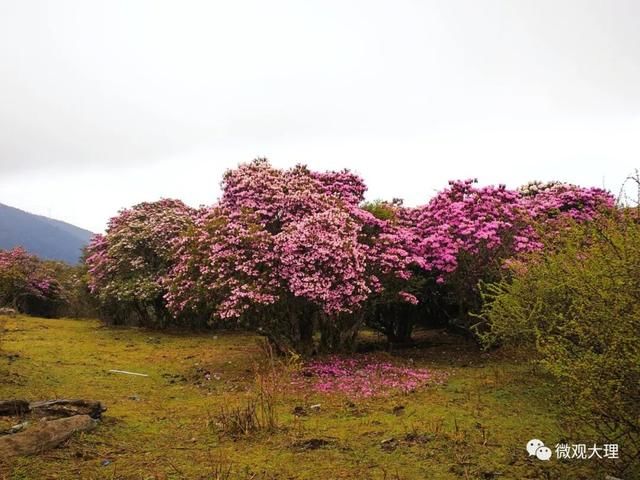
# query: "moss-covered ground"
{"type": "Point", "coordinates": [166, 425]}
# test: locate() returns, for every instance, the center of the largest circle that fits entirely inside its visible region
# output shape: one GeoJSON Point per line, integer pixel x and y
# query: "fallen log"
{"type": "Point", "coordinates": [67, 408]}
{"type": "Point", "coordinates": [13, 407]}
{"type": "Point", "coordinates": [45, 436]}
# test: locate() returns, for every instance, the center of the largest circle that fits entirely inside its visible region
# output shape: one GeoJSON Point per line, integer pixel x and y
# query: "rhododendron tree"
{"type": "Point", "coordinates": [287, 252]}
{"type": "Point", "coordinates": [467, 220]}
{"type": "Point", "coordinates": [323, 262]}
{"type": "Point", "coordinates": [279, 197]}
{"type": "Point", "coordinates": [466, 233]}
{"type": "Point", "coordinates": [129, 263]}
{"type": "Point", "coordinates": [28, 283]}
{"type": "Point", "coordinates": [225, 265]}
{"type": "Point", "coordinates": [395, 308]}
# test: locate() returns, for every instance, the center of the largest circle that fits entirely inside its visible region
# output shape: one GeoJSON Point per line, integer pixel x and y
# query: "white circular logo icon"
{"type": "Point", "coordinates": [536, 448]}
{"type": "Point", "coordinates": [534, 445]}
{"type": "Point", "coordinates": [543, 453]}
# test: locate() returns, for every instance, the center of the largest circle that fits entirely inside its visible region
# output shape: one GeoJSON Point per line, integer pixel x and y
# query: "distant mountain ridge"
{"type": "Point", "coordinates": [42, 236]}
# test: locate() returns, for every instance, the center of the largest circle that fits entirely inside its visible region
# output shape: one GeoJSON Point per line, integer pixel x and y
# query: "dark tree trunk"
{"type": "Point", "coordinates": [13, 407]}
{"type": "Point", "coordinates": [68, 408]}
{"type": "Point", "coordinates": [339, 333]}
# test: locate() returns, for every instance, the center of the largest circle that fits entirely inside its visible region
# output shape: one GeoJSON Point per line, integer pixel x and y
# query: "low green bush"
{"type": "Point", "coordinates": [580, 308]}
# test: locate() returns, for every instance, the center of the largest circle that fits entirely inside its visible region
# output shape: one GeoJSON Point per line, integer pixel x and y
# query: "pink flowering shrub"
{"type": "Point", "coordinates": [396, 308]}
{"type": "Point", "coordinates": [28, 283]}
{"type": "Point", "coordinates": [322, 260]}
{"type": "Point", "coordinates": [495, 221]}
{"type": "Point", "coordinates": [464, 235]}
{"type": "Point", "coordinates": [278, 197]}
{"type": "Point", "coordinates": [467, 233]}
{"type": "Point", "coordinates": [464, 219]}
{"type": "Point", "coordinates": [224, 265]}
{"type": "Point", "coordinates": [289, 252]}
{"type": "Point", "coordinates": [364, 376]}
{"type": "Point", "coordinates": [128, 264]}
{"type": "Point", "coordinates": [556, 205]}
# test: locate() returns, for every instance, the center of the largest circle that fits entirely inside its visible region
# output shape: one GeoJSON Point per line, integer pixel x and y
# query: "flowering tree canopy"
{"type": "Point", "coordinates": [224, 265]}
{"type": "Point", "coordinates": [129, 263]}
{"type": "Point", "coordinates": [25, 278]}
{"type": "Point", "coordinates": [295, 241]}
{"type": "Point", "coordinates": [279, 197]}
{"type": "Point", "coordinates": [494, 221]}
{"type": "Point", "coordinates": [476, 221]}
{"type": "Point", "coordinates": [562, 201]}
{"type": "Point", "coordinates": [466, 233]}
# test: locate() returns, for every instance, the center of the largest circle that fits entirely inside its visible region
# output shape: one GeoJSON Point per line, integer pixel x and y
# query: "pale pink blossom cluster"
{"type": "Point", "coordinates": [131, 260]}
{"type": "Point", "coordinates": [278, 234]}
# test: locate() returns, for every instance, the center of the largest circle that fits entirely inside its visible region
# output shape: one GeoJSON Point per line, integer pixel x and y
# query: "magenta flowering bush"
{"type": "Point", "coordinates": [466, 234]}
{"type": "Point", "coordinates": [488, 222]}
{"type": "Point", "coordinates": [364, 376]}
{"type": "Point", "coordinates": [556, 203]}
{"type": "Point", "coordinates": [396, 306]}
{"type": "Point", "coordinates": [323, 261]}
{"type": "Point", "coordinates": [224, 266]}
{"type": "Point", "coordinates": [495, 221]}
{"type": "Point", "coordinates": [28, 283]}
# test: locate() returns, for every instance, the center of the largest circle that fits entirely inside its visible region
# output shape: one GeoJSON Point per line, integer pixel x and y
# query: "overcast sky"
{"type": "Point", "coordinates": [104, 104]}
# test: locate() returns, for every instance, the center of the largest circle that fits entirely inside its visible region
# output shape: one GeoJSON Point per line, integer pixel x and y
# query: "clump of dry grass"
{"type": "Point", "coordinates": [242, 420]}
{"type": "Point", "coordinates": [259, 412]}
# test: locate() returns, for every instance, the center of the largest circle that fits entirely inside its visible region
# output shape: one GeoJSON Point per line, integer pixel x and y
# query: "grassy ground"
{"type": "Point", "coordinates": [164, 426]}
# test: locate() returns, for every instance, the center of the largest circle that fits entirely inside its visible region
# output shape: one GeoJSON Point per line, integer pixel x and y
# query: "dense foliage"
{"type": "Point", "coordinates": [298, 256]}
{"type": "Point", "coordinates": [467, 234]}
{"type": "Point", "coordinates": [26, 282]}
{"type": "Point", "coordinates": [579, 306]}
{"type": "Point", "coordinates": [128, 265]}
{"type": "Point", "coordinates": [289, 252]}
{"type": "Point", "coordinates": [39, 287]}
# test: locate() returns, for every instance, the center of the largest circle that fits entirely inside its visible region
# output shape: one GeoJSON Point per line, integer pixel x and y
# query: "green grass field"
{"type": "Point", "coordinates": [163, 426]}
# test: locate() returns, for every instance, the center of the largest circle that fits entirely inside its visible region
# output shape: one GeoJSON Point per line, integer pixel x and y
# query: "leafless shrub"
{"type": "Point", "coordinates": [240, 420]}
